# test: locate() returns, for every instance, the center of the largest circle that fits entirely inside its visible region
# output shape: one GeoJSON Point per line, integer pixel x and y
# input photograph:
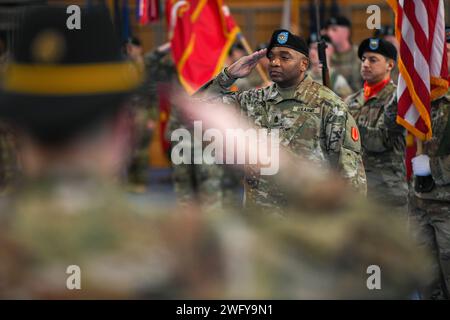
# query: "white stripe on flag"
{"type": "Point", "coordinates": [420, 63]}
{"type": "Point", "coordinates": [412, 115]}
{"type": "Point", "coordinates": [419, 9]}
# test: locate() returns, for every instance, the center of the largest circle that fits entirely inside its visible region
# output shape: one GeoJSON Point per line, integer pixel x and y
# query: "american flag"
{"type": "Point", "coordinates": [420, 30]}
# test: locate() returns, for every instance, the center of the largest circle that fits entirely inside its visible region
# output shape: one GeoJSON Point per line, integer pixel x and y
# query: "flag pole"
{"type": "Point", "coordinates": [249, 50]}
{"type": "Point", "coordinates": [419, 146]}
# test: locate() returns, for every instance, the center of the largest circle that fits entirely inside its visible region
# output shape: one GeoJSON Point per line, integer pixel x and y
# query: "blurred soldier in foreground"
{"type": "Point", "coordinates": [9, 163]}
{"type": "Point", "coordinates": [375, 110]}
{"type": "Point", "coordinates": [2, 52]}
{"type": "Point", "coordinates": [312, 120]}
{"type": "Point", "coordinates": [429, 197]}
{"type": "Point", "coordinates": [345, 58]}
{"type": "Point", "coordinates": [69, 214]}
{"type": "Point", "coordinates": [338, 83]}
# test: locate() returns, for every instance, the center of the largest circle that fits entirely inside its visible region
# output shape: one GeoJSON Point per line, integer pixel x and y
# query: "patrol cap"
{"type": "Point", "coordinates": [378, 45]}
{"type": "Point", "coordinates": [314, 38]}
{"type": "Point", "coordinates": [338, 21]}
{"type": "Point", "coordinates": [385, 30]}
{"type": "Point", "coordinates": [284, 38]}
{"type": "Point", "coordinates": [447, 34]}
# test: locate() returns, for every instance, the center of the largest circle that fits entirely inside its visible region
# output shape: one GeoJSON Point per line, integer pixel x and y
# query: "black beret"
{"type": "Point", "coordinates": [338, 21]}
{"type": "Point", "coordinates": [385, 30]}
{"type": "Point", "coordinates": [378, 45]}
{"type": "Point", "coordinates": [314, 38]}
{"type": "Point", "coordinates": [447, 34]}
{"type": "Point", "coordinates": [283, 38]}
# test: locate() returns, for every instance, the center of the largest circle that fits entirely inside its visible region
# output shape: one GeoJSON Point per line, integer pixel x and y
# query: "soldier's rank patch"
{"type": "Point", "coordinates": [355, 134]}
{"type": "Point", "coordinates": [282, 37]}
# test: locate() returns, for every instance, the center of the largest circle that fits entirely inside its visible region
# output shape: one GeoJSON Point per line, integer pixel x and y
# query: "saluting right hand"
{"type": "Point", "coordinates": [245, 65]}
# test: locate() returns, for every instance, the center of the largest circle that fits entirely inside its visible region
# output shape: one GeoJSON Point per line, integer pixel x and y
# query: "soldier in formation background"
{"type": "Point", "coordinates": [383, 140]}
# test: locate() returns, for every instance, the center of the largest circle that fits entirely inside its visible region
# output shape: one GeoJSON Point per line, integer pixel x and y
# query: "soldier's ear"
{"type": "Point", "coordinates": [304, 64]}
{"type": "Point", "coordinates": [391, 64]}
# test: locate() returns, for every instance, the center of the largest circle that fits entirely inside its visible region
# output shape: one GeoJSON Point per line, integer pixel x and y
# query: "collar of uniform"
{"type": "Point", "coordinates": [384, 93]}
{"type": "Point", "coordinates": [274, 94]}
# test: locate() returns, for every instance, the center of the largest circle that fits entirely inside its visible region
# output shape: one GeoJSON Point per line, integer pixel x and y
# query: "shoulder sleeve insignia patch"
{"type": "Point", "coordinates": [355, 134]}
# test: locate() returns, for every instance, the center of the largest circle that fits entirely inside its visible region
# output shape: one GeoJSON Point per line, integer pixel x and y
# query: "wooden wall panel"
{"type": "Point", "coordinates": [258, 18]}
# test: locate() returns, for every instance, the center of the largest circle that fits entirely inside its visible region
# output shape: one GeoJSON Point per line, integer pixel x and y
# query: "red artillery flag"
{"type": "Point", "coordinates": [200, 39]}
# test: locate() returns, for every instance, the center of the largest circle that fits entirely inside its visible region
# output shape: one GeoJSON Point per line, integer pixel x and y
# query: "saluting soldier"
{"type": "Point", "coordinates": [9, 163]}
{"type": "Point", "coordinates": [313, 121]}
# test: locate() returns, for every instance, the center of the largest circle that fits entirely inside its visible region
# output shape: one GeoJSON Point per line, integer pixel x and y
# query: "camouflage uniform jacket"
{"type": "Point", "coordinates": [125, 249]}
{"type": "Point", "coordinates": [383, 144]}
{"type": "Point", "coordinates": [160, 69]}
{"type": "Point", "coordinates": [315, 124]}
{"type": "Point", "coordinates": [130, 250]}
{"type": "Point", "coordinates": [438, 149]}
{"type": "Point", "coordinates": [203, 183]}
{"type": "Point", "coordinates": [349, 65]}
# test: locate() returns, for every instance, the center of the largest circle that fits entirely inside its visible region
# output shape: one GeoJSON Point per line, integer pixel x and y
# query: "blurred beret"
{"type": "Point", "coordinates": [338, 21]}
{"type": "Point", "coordinates": [314, 38]}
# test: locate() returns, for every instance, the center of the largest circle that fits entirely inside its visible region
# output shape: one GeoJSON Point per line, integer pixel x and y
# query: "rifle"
{"type": "Point", "coordinates": [321, 47]}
